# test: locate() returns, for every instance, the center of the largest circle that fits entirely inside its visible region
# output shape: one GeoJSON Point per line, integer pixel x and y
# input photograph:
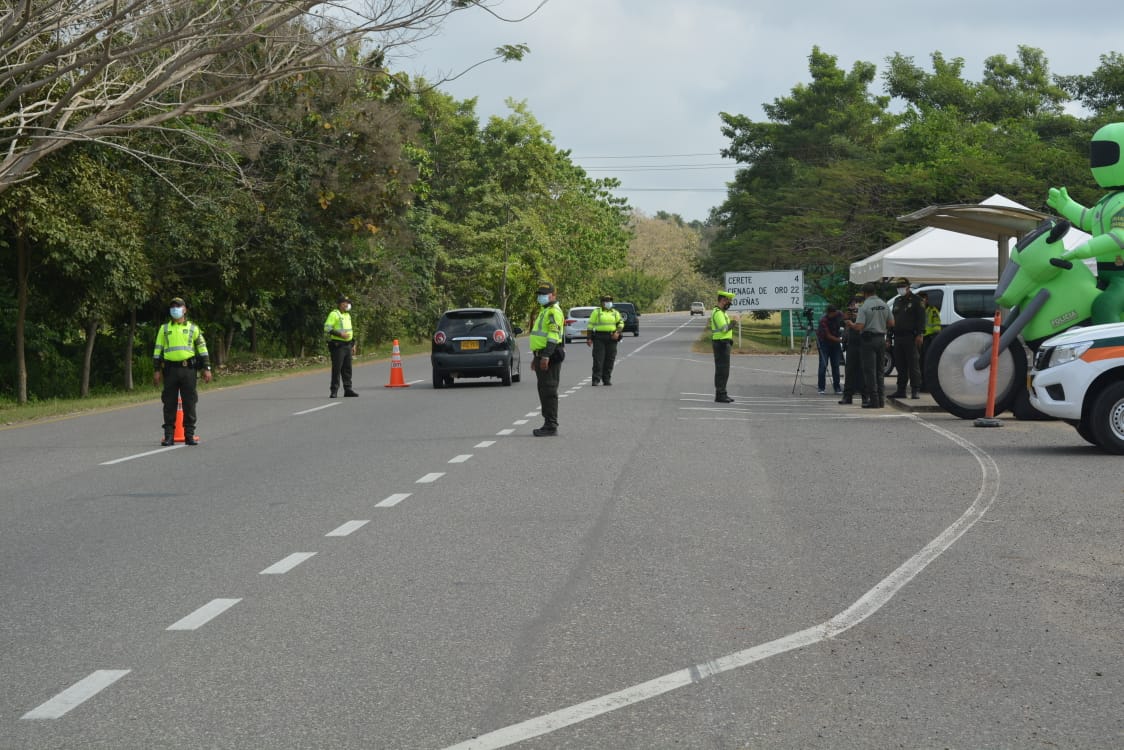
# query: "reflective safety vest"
{"type": "Point", "coordinates": [176, 342]}
{"type": "Point", "coordinates": [548, 327]}
{"type": "Point", "coordinates": [932, 320]}
{"type": "Point", "coordinates": [606, 321]}
{"type": "Point", "coordinates": [720, 326]}
{"type": "Point", "coordinates": [338, 321]}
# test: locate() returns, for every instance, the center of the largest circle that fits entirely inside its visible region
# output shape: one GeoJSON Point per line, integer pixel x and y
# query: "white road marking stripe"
{"type": "Point", "coordinates": [485, 444]}
{"type": "Point", "coordinates": [505, 432]}
{"type": "Point", "coordinates": [315, 408]}
{"type": "Point", "coordinates": [460, 459]}
{"type": "Point", "coordinates": [531, 415]}
{"type": "Point", "coordinates": [76, 694]}
{"type": "Point", "coordinates": [393, 500]}
{"type": "Point", "coordinates": [520, 421]}
{"type": "Point", "coordinates": [865, 606]}
{"type": "Point", "coordinates": [348, 528]}
{"type": "Point", "coordinates": [203, 615]}
{"type": "Point", "coordinates": [140, 455]}
{"type": "Point", "coordinates": [285, 565]}
{"type": "Point", "coordinates": [433, 476]}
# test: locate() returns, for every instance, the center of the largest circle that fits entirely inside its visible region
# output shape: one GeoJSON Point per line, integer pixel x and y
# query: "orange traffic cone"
{"type": "Point", "coordinates": [178, 437]}
{"type": "Point", "coordinates": [396, 378]}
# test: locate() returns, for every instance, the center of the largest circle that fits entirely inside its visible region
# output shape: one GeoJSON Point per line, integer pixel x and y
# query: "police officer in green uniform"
{"type": "Point", "coordinates": [179, 349]}
{"type": "Point", "coordinates": [932, 328]}
{"type": "Point", "coordinates": [605, 326]}
{"type": "Point", "coordinates": [853, 370]}
{"type": "Point", "coordinates": [547, 353]}
{"type": "Point", "coordinates": [341, 345]}
{"type": "Point", "coordinates": [872, 321]}
{"type": "Point", "coordinates": [909, 333]}
{"type": "Point", "coordinates": [721, 329]}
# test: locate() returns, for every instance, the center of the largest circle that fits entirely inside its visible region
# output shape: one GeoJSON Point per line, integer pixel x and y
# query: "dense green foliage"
{"type": "Point", "coordinates": [826, 175]}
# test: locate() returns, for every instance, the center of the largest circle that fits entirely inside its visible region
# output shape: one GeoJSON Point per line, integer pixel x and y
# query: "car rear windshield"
{"type": "Point", "coordinates": [469, 324]}
{"type": "Point", "coordinates": [581, 312]}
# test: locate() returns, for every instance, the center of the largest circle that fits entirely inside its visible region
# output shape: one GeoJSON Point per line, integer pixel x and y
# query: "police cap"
{"type": "Point", "coordinates": [178, 302]}
{"type": "Point", "coordinates": [545, 287]}
{"type": "Point", "coordinates": [727, 295]}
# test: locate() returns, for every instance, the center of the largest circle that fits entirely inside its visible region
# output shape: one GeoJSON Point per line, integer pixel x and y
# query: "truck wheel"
{"type": "Point", "coordinates": [1106, 418]}
{"type": "Point", "coordinates": [957, 385]}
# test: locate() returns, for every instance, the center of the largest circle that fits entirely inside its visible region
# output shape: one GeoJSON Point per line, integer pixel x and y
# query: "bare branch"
{"type": "Point", "coordinates": [74, 70]}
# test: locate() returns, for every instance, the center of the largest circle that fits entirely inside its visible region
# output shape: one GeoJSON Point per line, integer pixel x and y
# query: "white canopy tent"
{"type": "Point", "coordinates": [969, 253]}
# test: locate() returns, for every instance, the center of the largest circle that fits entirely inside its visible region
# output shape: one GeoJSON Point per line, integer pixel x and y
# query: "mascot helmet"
{"type": "Point", "coordinates": [1106, 155]}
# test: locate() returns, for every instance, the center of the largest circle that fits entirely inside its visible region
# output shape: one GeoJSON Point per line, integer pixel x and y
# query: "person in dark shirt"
{"type": "Point", "coordinates": [909, 334]}
{"type": "Point", "coordinates": [831, 348]}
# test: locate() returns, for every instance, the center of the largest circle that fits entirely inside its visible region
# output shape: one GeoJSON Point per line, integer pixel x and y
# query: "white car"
{"type": "Point", "coordinates": [698, 308]}
{"type": "Point", "coordinates": [577, 323]}
{"type": "Point", "coordinates": [1078, 377]}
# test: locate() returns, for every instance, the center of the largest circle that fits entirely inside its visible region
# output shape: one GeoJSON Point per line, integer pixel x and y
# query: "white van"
{"type": "Point", "coordinates": [958, 301]}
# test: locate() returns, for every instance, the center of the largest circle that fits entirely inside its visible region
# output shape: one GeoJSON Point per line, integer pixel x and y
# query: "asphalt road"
{"type": "Point", "coordinates": [412, 569]}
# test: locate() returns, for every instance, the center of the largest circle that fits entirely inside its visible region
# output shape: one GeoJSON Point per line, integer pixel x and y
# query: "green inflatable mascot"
{"type": "Point", "coordinates": [1105, 221]}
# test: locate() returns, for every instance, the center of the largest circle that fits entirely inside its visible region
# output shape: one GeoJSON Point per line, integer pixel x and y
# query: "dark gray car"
{"type": "Point", "coordinates": [475, 342]}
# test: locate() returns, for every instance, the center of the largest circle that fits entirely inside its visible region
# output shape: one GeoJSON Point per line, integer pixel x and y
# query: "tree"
{"type": "Point", "coordinates": [1102, 90]}
{"type": "Point", "coordinates": [80, 70]}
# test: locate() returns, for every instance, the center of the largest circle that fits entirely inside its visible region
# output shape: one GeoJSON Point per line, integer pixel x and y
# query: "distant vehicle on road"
{"type": "Point", "coordinates": [698, 308]}
{"type": "Point", "coordinates": [630, 315]}
{"type": "Point", "coordinates": [475, 342]}
{"type": "Point", "coordinates": [577, 323]}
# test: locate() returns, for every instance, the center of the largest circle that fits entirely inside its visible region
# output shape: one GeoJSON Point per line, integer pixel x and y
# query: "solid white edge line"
{"type": "Point", "coordinates": [203, 615]}
{"type": "Point", "coordinates": [348, 528]}
{"type": "Point", "coordinates": [393, 500]}
{"type": "Point", "coordinates": [76, 694]}
{"type": "Point", "coordinates": [431, 477]}
{"type": "Point", "coordinates": [139, 455]}
{"type": "Point", "coordinates": [865, 606]}
{"type": "Point", "coordinates": [286, 564]}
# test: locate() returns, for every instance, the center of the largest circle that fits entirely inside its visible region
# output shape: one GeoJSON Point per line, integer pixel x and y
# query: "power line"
{"type": "Point", "coordinates": [649, 156]}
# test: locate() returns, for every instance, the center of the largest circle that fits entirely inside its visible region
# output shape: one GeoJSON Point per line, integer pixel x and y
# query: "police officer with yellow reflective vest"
{"type": "Point", "coordinates": [180, 349]}
{"type": "Point", "coordinates": [721, 329]}
{"type": "Point", "coordinates": [605, 326]}
{"type": "Point", "coordinates": [547, 353]}
{"type": "Point", "coordinates": [932, 328]}
{"type": "Point", "coordinates": [341, 345]}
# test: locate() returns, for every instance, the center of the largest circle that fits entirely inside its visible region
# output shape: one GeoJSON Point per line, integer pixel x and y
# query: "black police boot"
{"type": "Point", "coordinates": [846, 400]}
{"type": "Point", "coordinates": [348, 393]}
{"type": "Point", "coordinates": [596, 381]}
{"type": "Point", "coordinates": [332, 394]}
{"type": "Point", "coordinates": [168, 439]}
{"type": "Point", "coordinates": [190, 440]}
{"type": "Point", "coordinates": [724, 399]}
{"type": "Point", "coordinates": [544, 431]}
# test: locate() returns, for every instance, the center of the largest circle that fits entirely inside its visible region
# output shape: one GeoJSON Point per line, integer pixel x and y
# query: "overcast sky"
{"type": "Point", "coordinates": [634, 88]}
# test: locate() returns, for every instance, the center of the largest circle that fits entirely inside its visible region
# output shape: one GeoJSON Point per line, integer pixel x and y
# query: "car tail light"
{"type": "Point", "coordinates": [570, 321]}
{"type": "Point", "coordinates": [439, 338]}
{"type": "Point", "coordinates": [499, 336]}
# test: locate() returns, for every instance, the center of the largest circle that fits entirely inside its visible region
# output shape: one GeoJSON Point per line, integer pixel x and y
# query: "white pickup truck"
{"type": "Point", "coordinates": [1078, 377]}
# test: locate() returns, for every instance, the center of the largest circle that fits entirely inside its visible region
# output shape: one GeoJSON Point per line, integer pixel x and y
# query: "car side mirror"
{"type": "Point", "coordinates": [516, 330]}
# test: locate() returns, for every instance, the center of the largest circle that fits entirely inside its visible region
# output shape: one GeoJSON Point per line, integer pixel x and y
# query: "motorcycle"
{"type": "Point", "coordinates": [1046, 295]}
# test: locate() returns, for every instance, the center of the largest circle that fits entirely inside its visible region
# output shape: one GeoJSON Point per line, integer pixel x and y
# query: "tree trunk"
{"type": "Point", "coordinates": [22, 264]}
{"type": "Point", "coordinates": [129, 340]}
{"type": "Point", "coordinates": [88, 356]}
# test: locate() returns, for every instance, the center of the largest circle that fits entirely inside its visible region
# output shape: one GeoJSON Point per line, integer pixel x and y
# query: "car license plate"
{"type": "Point", "coordinates": [470, 345]}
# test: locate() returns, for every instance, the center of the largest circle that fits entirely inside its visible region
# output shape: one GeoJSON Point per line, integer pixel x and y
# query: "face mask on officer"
{"type": "Point", "coordinates": [543, 299]}
{"type": "Point", "coordinates": [175, 312]}
{"type": "Point", "coordinates": [347, 307]}
{"type": "Point", "coordinates": [608, 305]}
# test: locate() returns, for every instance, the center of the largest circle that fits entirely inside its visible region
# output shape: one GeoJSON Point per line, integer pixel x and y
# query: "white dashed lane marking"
{"type": "Point", "coordinates": [393, 500]}
{"type": "Point", "coordinates": [347, 528]}
{"type": "Point", "coordinates": [505, 432]}
{"type": "Point", "coordinates": [460, 459]}
{"type": "Point", "coordinates": [431, 477]}
{"type": "Point", "coordinates": [203, 615]}
{"type": "Point", "coordinates": [285, 565]}
{"type": "Point", "coordinates": [76, 694]}
{"type": "Point", "coordinates": [485, 444]}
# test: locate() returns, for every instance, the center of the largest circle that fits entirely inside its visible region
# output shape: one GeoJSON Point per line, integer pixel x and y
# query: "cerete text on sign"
{"type": "Point", "coordinates": [766, 290]}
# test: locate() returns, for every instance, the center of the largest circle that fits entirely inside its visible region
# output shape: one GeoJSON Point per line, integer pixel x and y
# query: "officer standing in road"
{"type": "Point", "coordinates": [721, 329]}
{"type": "Point", "coordinates": [547, 354]}
{"type": "Point", "coordinates": [605, 326]}
{"type": "Point", "coordinates": [872, 322]}
{"type": "Point", "coordinates": [909, 333]}
{"type": "Point", "coordinates": [341, 345]}
{"type": "Point", "coordinates": [179, 349]}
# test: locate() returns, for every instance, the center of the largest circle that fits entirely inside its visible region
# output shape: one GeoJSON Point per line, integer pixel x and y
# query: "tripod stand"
{"type": "Point", "coordinates": [805, 348]}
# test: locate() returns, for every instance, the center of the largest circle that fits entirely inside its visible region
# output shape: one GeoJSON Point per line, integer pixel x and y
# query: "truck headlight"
{"type": "Point", "coordinates": [1068, 352]}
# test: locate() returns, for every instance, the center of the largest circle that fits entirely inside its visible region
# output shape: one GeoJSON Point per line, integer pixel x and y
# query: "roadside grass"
{"type": "Point", "coordinates": [241, 370]}
{"type": "Point", "coordinates": [757, 337]}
